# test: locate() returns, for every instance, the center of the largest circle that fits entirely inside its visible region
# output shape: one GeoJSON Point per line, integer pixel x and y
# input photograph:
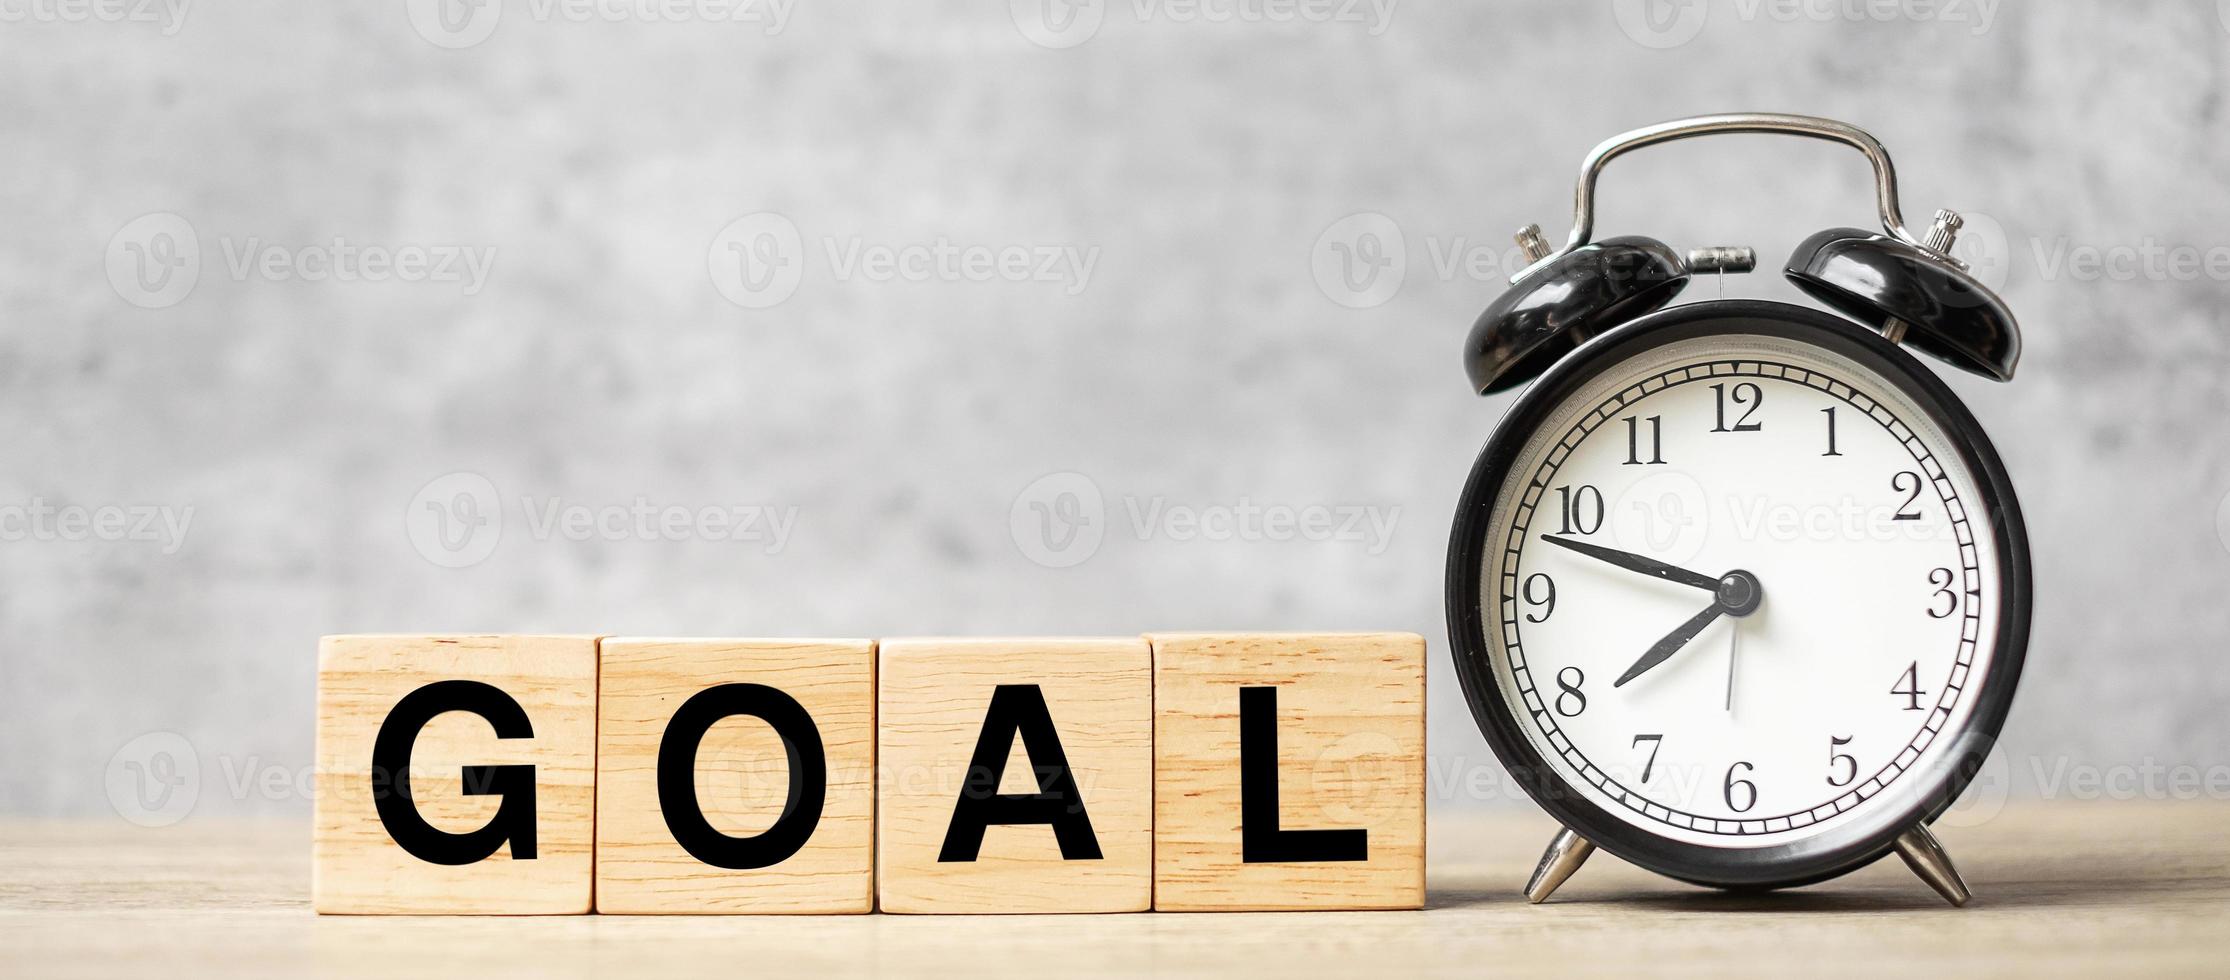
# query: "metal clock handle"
{"type": "Point", "coordinates": [1937, 241]}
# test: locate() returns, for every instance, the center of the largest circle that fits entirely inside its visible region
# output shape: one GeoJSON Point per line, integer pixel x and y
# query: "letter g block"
{"type": "Point", "coordinates": [455, 774]}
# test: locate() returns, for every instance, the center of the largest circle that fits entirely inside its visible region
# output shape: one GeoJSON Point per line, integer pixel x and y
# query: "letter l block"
{"type": "Point", "coordinates": [1289, 771]}
{"type": "Point", "coordinates": [493, 811]}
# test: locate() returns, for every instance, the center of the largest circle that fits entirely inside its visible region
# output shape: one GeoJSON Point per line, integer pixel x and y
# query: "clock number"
{"type": "Point", "coordinates": [1634, 441]}
{"type": "Point", "coordinates": [1575, 508]}
{"type": "Point", "coordinates": [1830, 410]}
{"type": "Point", "coordinates": [1907, 511]}
{"type": "Point", "coordinates": [1942, 578]}
{"type": "Point", "coordinates": [1571, 692]}
{"type": "Point", "coordinates": [1908, 684]}
{"type": "Point", "coordinates": [1753, 399]}
{"type": "Point", "coordinates": [1749, 789]}
{"type": "Point", "coordinates": [1848, 761]}
{"type": "Point", "coordinates": [1655, 742]}
{"type": "Point", "coordinates": [1546, 602]}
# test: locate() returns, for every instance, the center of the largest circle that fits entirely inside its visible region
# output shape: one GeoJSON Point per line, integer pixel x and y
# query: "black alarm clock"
{"type": "Point", "coordinates": [1738, 590]}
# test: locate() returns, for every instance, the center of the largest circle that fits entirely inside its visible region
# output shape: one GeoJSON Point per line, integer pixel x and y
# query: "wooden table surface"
{"type": "Point", "coordinates": [2087, 888]}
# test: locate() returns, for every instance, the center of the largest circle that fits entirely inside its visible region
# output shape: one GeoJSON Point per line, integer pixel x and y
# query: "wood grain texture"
{"type": "Point", "coordinates": [358, 866]}
{"type": "Point", "coordinates": [932, 702]}
{"type": "Point", "coordinates": [1351, 754]}
{"type": "Point", "coordinates": [2063, 889]}
{"type": "Point", "coordinates": [743, 776]}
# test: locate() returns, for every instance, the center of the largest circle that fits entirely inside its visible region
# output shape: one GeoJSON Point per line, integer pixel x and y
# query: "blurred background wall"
{"type": "Point", "coordinates": [799, 317]}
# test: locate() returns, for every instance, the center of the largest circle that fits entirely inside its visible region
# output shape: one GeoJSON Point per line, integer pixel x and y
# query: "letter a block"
{"type": "Point", "coordinates": [455, 774]}
{"type": "Point", "coordinates": [736, 776]}
{"type": "Point", "coordinates": [1017, 776]}
{"type": "Point", "coordinates": [1289, 771]}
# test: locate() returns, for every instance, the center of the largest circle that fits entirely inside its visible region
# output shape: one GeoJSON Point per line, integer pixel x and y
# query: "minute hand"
{"type": "Point", "coordinates": [1637, 563]}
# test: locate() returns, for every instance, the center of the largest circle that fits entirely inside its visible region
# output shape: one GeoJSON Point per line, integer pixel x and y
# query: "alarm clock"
{"type": "Point", "coordinates": [1738, 590]}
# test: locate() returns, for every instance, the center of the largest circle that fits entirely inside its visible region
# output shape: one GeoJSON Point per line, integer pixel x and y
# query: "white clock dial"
{"type": "Point", "coordinates": [1796, 708]}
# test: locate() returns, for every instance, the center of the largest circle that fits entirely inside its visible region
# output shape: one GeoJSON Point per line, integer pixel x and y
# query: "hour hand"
{"type": "Point", "coordinates": [1637, 563]}
{"type": "Point", "coordinates": [1672, 643]}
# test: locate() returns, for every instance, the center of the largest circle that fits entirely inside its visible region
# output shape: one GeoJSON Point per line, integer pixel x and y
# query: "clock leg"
{"type": "Point", "coordinates": [1927, 859]}
{"type": "Point", "coordinates": [1565, 855]}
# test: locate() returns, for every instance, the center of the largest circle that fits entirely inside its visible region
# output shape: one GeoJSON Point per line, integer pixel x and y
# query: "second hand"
{"type": "Point", "coordinates": [1734, 646]}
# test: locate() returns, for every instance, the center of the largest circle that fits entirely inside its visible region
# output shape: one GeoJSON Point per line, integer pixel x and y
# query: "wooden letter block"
{"type": "Point", "coordinates": [1017, 776]}
{"type": "Point", "coordinates": [736, 776]}
{"type": "Point", "coordinates": [455, 774]}
{"type": "Point", "coordinates": [1289, 771]}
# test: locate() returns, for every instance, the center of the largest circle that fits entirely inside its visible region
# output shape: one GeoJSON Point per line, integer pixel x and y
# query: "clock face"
{"type": "Point", "coordinates": [1740, 590]}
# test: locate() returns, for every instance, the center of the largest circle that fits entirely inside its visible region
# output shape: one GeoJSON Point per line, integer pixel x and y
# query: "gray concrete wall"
{"type": "Point", "coordinates": [1178, 340]}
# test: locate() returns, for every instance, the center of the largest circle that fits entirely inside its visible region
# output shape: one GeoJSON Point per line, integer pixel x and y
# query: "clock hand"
{"type": "Point", "coordinates": [1734, 646]}
{"type": "Point", "coordinates": [1637, 563]}
{"type": "Point", "coordinates": [1738, 594]}
{"type": "Point", "coordinates": [1672, 643]}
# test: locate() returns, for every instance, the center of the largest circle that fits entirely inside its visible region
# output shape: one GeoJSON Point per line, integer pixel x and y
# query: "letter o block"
{"type": "Point", "coordinates": [455, 774]}
{"type": "Point", "coordinates": [736, 776]}
{"type": "Point", "coordinates": [1289, 771]}
{"type": "Point", "coordinates": [1017, 775]}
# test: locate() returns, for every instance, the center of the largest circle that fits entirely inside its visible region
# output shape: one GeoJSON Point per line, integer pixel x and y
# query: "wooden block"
{"type": "Point", "coordinates": [1339, 821]}
{"type": "Point", "coordinates": [762, 834]}
{"type": "Point", "coordinates": [974, 734]}
{"type": "Point", "coordinates": [491, 746]}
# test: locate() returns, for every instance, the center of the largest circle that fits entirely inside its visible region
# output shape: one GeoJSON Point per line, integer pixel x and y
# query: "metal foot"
{"type": "Point", "coordinates": [1565, 855]}
{"type": "Point", "coordinates": [1927, 859]}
